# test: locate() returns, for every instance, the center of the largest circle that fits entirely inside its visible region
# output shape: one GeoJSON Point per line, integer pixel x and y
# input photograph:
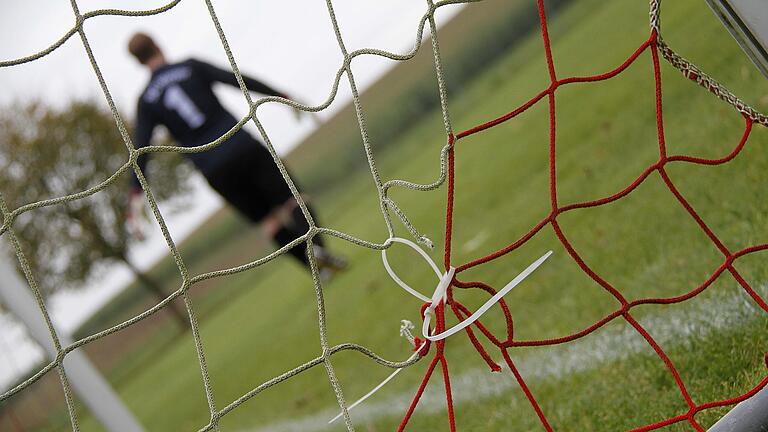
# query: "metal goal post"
{"type": "Point", "coordinates": [89, 385]}
{"type": "Point", "coordinates": [747, 21]}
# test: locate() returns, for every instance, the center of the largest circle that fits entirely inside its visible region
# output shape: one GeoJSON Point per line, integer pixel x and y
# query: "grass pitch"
{"type": "Point", "coordinates": [645, 245]}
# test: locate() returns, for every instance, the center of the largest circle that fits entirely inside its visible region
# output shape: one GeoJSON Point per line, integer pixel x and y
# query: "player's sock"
{"type": "Point", "coordinates": [285, 236]}
{"type": "Point", "coordinates": [296, 227]}
{"type": "Point", "coordinates": [328, 260]}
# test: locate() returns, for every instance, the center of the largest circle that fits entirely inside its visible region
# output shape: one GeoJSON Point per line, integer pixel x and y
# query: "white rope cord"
{"type": "Point", "coordinates": [404, 331]}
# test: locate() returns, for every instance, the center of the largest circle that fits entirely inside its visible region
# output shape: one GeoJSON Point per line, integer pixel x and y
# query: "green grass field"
{"type": "Point", "coordinates": [645, 245]}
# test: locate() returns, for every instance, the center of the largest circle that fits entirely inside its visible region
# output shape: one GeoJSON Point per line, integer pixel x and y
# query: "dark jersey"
{"type": "Point", "coordinates": [180, 97]}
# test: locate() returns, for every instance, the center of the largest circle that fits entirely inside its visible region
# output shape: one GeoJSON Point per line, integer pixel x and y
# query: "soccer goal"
{"type": "Point", "coordinates": [615, 315]}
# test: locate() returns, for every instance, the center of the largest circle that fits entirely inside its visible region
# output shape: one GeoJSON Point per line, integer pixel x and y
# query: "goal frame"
{"type": "Point", "coordinates": [86, 380]}
{"type": "Point", "coordinates": [747, 22]}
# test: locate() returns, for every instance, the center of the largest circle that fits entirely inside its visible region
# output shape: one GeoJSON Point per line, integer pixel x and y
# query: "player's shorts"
{"type": "Point", "coordinates": [251, 181]}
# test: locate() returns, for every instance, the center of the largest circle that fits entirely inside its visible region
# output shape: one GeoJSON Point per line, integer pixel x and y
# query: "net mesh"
{"type": "Point", "coordinates": [658, 49]}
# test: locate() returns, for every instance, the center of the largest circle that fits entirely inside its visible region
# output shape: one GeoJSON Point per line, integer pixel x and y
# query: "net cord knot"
{"type": "Point", "coordinates": [440, 293]}
{"type": "Point", "coordinates": [438, 296]}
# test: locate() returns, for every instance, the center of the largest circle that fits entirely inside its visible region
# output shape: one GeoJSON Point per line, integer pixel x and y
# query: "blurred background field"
{"type": "Point", "coordinates": [258, 324]}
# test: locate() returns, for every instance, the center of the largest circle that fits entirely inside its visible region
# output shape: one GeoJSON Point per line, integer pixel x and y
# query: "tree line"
{"type": "Point", "coordinates": [48, 152]}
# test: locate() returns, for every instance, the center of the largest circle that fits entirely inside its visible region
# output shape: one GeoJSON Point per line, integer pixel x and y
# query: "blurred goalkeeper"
{"type": "Point", "coordinates": [180, 97]}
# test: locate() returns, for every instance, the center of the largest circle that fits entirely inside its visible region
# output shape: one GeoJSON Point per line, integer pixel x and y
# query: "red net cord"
{"type": "Point", "coordinates": [624, 311]}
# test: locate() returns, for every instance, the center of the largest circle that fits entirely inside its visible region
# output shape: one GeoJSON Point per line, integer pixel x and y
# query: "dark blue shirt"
{"type": "Point", "coordinates": [180, 97]}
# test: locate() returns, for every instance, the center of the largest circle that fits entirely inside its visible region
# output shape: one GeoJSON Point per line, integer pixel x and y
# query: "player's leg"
{"type": "Point", "coordinates": [231, 184]}
{"type": "Point", "coordinates": [276, 208]}
{"type": "Point", "coordinates": [237, 181]}
{"type": "Point", "coordinates": [289, 229]}
{"type": "Point", "coordinates": [292, 222]}
{"type": "Point", "coordinates": [295, 225]}
{"type": "Point", "coordinates": [253, 184]}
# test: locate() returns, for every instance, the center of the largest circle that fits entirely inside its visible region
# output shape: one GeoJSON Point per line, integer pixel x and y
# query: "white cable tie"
{"type": "Point", "coordinates": [483, 309]}
{"type": "Point", "coordinates": [405, 325]}
{"type": "Point", "coordinates": [394, 276]}
{"type": "Point", "coordinates": [381, 384]}
{"type": "Point", "coordinates": [437, 297]}
{"type": "Point", "coordinates": [405, 331]}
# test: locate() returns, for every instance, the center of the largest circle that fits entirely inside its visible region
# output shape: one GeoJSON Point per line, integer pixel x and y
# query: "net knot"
{"type": "Point", "coordinates": [421, 347]}
{"type": "Point", "coordinates": [440, 296]}
{"type": "Point", "coordinates": [79, 20]}
{"type": "Point", "coordinates": [440, 293]}
{"type": "Point", "coordinates": [426, 242]}
{"type": "Point", "coordinates": [405, 331]}
{"type": "Point", "coordinates": [418, 345]}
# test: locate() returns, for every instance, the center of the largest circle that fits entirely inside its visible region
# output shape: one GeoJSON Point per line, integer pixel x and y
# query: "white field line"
{"type": "Point", "coordinates": [678, 326]}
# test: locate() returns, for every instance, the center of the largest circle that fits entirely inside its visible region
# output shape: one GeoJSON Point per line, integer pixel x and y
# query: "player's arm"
{"type": "Point", "coordinates": [228, 77]}
{"type": "Point", "coordinates": [142, 136]}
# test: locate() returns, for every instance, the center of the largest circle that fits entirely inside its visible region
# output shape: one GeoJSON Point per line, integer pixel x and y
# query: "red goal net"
{"type": "Point", "coordinates": [505, 342]}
